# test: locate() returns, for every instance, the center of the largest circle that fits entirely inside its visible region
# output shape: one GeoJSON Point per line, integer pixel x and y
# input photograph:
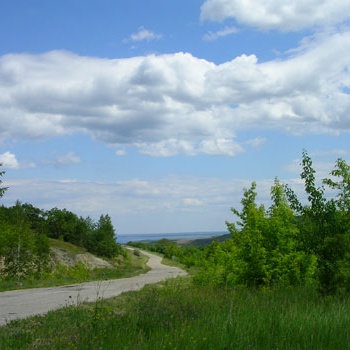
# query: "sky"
{"type": "Point", "coordinates": [160, 112]}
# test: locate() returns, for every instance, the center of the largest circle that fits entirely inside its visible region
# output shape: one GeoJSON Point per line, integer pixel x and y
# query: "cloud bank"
{"type": "Point", "coordinates": [172, 104]}
{"type": "Point", "coordinates": [177, 198]}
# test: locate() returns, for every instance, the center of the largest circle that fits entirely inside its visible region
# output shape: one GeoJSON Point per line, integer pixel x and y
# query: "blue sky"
{"type": "Point", "coordinates": [159, 112]}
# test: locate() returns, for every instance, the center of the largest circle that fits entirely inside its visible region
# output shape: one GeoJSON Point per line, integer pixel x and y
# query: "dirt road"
{"type": "Point", "coordinates": [28, 302]}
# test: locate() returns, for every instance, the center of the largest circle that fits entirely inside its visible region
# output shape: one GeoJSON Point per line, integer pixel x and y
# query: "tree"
{"type": "Point", "coordinates": [322, 227]}
{"type": "Point", "coordinates": [248, 204]}
{"type": "Point", "coordinates": [25, 252]}
{"type": "Point", "coordinates": [65, 225]}
{"type": "Point", "coordinates": [2, 189]}
{"type": "Point", "coordinates": [291, 242]}
{"type": "Point", "coordinates": [264, 247]}
{"type": "Point", "coordinates": [102, 240]}
{"type": "Point", "coordinates": [287, 263]}
{"type": "Point", "coordinates": [342, 172]}
{"type": "Point", "coordinates": [35, 217]}
{"type": "Point", "coordinates": [341, 242]}
{"type": "Point", "coordinates": [250, 254]}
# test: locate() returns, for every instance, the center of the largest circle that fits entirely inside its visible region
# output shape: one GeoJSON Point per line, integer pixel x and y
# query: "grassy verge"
{"type": "Point", "coordinates": [178, 315]}
{"type": "Point", "coordinates": [132, 266]}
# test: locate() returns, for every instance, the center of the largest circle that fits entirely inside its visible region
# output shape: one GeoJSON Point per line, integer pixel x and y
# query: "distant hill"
{"type": "Point", "coordinates": [203, 241]}
{"type": "Point", "coordinates": [191, 241]}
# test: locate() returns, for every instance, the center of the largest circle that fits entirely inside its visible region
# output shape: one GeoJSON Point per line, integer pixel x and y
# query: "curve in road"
{"type": "Point", "coordinates": [29, 302]}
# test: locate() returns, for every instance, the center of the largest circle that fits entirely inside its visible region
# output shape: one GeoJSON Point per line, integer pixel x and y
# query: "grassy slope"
{"type": "Point", "coordinates": [68, 247]}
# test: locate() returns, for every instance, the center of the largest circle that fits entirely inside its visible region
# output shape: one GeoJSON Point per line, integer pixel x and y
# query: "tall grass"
{"type": "Point", "coordinates": [177, 315]}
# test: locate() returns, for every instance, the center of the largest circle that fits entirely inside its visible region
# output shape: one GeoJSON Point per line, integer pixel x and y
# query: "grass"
{"type": "Point", "coordinates": [179, 315]}
{"type": "Point", "coordinates": [132, 266]}
{"type": "Point", "coordinates": [68, 247]}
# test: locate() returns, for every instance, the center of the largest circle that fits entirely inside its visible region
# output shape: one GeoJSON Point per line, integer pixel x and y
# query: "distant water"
{"type": "Point", "coordinates": [123, 238]}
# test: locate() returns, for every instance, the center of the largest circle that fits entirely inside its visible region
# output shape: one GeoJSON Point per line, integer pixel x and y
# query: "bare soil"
{"type": "Point", "coordinates": [69, 259]}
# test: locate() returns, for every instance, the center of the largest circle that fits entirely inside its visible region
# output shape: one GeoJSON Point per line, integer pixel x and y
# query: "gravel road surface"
{"type": "Point", "coordinates": [28, 302]}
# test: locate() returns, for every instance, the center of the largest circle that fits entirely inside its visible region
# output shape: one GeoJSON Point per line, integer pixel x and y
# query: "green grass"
{"type": "Point", "coordinates": [131, 266]}
{"type": "Point", "coordinates": [68, 247]}
{"type": "Point", "coordinates": [178, 315]}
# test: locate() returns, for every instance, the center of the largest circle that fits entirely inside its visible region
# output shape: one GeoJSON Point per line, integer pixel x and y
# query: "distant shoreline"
{"type": "Point", "coordinates": [180, 237]}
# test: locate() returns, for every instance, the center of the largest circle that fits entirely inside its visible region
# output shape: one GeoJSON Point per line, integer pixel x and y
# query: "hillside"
{"type": "Point", "coordinates": [191, 241]}
{"type": "Point", "coordinates": [70, 256]}
{"type": "Point", "coordinates": [203, 241]}
{"type": "Point", "coordinates": [69, 264]}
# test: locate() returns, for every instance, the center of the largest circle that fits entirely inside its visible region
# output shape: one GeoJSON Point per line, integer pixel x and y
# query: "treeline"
{"type": "Point", "coordinates": [293, 242]}
{"type": "Point", "coordinates": [25, 231]}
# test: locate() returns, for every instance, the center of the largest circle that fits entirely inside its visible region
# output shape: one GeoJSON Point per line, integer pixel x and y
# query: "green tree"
{"type": "Point", "coordinates": [291, 242]}
{"type": "Point", "coordinates": [102, 240]}
{"type": "Point", "coordinates": [35, 217]}
{"type": "Point", "coordinates": [24, 251]}
{"type": "Point", "coordinates": [264, 247]}
{"type": "Point", "coordinates": [2, 189]}
{"type": "Point", "coordinates": [248, 205]}
{"type": "Point", "coordinates": [287, 263]}
{"type": "Point", "coordinates": [340, 182]}
{"type": "Point", "coordinates": [323, 231]}
{"type": "Point", "coordinates": [64, 224]}
{"type": "Point", "coordinates": [163, 245]}
{"type": "Point", "coordinates": [341, 171]}
{"type": "Point", "coordinates": [250, 254]}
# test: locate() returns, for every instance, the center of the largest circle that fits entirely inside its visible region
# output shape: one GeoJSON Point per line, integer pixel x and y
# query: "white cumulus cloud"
{"type": "Point", "coordinates": [9, 160]}
{"type": "Point", "coordinates": [276, 14]}
{"type": "Point", "coordinates": [144, 34]}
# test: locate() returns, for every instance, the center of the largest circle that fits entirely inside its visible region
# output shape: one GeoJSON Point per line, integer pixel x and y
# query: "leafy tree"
{"type": "Point", "coordinates": [341, 241]}
{"type": "Point", "coordinates": [248, 205]}
{"type": "Point", "coordinates": [288, 264]}
{"type": "Point", "coordinates": [102, 240]}
{"type": "Point", "coordinates": [264, 247]}
{"type": "Point", "coordinates": [2, 189]}
{"type": "Point", "coordinates": [342, 171]}
{"type": "Point", "coordinates": [291, 242]}
{"type": "Point", "coordinates": [164, 246]}
{"type": "Point", "coordinates": [65, 225]}
{"type": "Point", "coordinates": [250, 254]}
{"type": "Point", "coordinates": [323, 231]}
{"type": "Point", "coordinates": [24, 251]}
{"type": "Point", "coordinates": [35, 216]}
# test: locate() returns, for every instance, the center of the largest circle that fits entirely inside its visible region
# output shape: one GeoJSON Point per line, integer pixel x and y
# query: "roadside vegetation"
{"type": "Point", "coordinates": [280, 281]}
{"type": "Point", "coordinates": [179, 315]}
{"type": "Point", "coordinates": [294, 242]}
